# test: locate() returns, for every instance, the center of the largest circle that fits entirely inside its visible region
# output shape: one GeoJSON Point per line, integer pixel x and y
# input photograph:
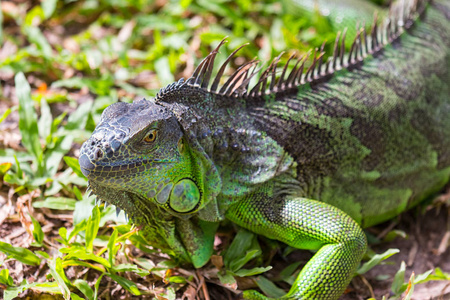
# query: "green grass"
{"type": "Point", "coordinates": [67, 61]}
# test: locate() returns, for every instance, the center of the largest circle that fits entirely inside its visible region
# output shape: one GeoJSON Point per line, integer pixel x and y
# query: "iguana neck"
{"type": "Point", "coordinates": [243, 155]}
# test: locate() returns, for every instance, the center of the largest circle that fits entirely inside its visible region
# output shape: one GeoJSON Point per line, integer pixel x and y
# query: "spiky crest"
{"type": "Point", "coordinates": [401, 17]}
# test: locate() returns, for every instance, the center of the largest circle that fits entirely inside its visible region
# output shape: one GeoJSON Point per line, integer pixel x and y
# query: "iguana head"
{"type": "Point", "coordinates": [140, 148]}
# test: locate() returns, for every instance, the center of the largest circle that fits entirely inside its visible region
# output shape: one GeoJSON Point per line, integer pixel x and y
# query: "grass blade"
{"type": "Point", "coordinates": [27, 117]}
{"type": "Point", "coordinates": [126, 284]}
{"type": "Point", "coordinates": [92, 228]}
{"type": "Point", "coordinates": [58, 274]}
{"type": "Point", "coordinates": [21, 254]}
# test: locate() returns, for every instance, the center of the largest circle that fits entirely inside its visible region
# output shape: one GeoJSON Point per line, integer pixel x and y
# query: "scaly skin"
{"type": "Point", "coordinates": [309, 165]}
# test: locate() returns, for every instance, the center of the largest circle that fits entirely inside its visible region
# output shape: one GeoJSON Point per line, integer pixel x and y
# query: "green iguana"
{"type": "Point", "coordinates": [308, 156]}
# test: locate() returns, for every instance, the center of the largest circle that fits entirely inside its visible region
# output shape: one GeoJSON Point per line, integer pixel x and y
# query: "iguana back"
{"type": "Point", "coordinates": [373, 140]}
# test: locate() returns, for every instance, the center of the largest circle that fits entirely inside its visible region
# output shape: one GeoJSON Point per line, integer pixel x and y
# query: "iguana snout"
{"type": "Point", "coordinates": [103, 145]}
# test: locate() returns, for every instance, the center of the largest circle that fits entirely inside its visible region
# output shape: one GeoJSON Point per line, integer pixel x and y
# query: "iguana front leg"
{"type": "Point", "coordinates": [305, 224]}
{"type": "Point", "coordinates": [187, 240]}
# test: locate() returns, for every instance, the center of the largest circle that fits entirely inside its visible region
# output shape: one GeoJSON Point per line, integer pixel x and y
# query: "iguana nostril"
{"type": "Point", "coordinates": [98, 154]}
{"type": "Point", "coordinates": [92, 143]}
{"type": "Point", "coordinates": [120, 136]}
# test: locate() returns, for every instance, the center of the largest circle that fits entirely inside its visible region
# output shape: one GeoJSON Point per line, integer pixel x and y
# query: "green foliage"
{"type": "Point", "coordinates": [375, 260]}
{"type": "Point", "coordinates": [45, 160]}
{"type": "Point", "coordinates": [399, 286]}
{"type": "Point", "coordinates": [28, 120]}
{"type": "Point", "coordinates": [269, 288]}
{"type": "Point", "coordinates": [84, 287]}
{"type": "Point", "coordinates": [7, 113]}
{"type": "Point", "coordinates": [58, 274]}
{"type": "Point", "coordinates": [56, 203]}
{"type": "Point", "coordinates": [46, 287]}
{"type": "Point", "coordinates": [5, 278]}
{"type": "Point", "coordinates": [38, 234]}
{"type": "Point", "coordinates": [92, 228]}
{"type": "Point", "coordinates": [289, 274]}
{"type": "Point", "coordinates": [72, 253]}
{"type": "Point", "coordinates": [21, 254]}
{"type": "Point", "coordinates": [243, 249]}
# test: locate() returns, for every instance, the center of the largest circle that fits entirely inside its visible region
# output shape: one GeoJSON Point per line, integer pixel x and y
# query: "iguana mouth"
{"type": "Point", "coordinates": [89, 169]}
{"type": "Point", "coordinates": [85, 164]}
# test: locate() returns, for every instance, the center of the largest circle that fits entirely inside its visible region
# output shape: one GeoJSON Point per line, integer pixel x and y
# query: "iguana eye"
{"type": "Point", "coordinates": [150, 137]}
